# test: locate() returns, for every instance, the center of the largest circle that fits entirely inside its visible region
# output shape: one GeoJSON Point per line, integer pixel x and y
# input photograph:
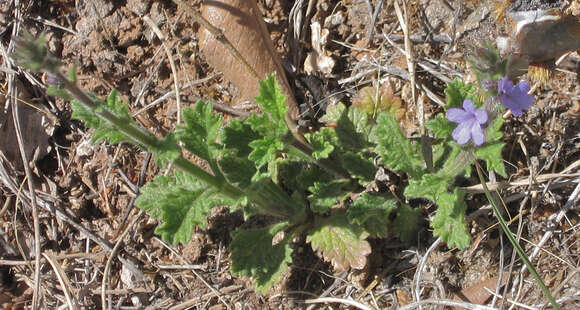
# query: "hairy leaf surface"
{"type": "Point", "coordinates": [201, 130]}
{"type": "Point", "coordinates": [180, 202]}
{"type": "Point", "coordinates": [103, 129]}
{"type": "Point", "coordinates": [449, 221]}
{"type": "Point", "coordinates": [396, 151]}
{"type": "Point", "coordinates": [340, 242]}
{"type": "Point", "coordinates": [372, 212]}
{"type": "Point", "coordinates": [254, 255]}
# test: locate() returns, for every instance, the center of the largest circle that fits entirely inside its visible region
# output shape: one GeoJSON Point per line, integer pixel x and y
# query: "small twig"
{"type": "Point", "coordinates": [215, 292]}
{"type": "Point", "coordinates": [371, 26]}
{"type": "Point", "coordinates": [171, 63]}
{"type": "Point", "coordinates": [62, 279]}
{"type": "Point", "coordinates": [347, 302]}
{"type": "Point", "coordinates": [419, 271]}
{"type": "Point", "coordinates": [446, 302]}
{"type": "Point", "coordinates": [113, 255]}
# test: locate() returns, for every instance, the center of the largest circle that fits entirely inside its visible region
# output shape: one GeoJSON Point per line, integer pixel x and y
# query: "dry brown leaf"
{"type": "Point", "coordinates": [478, 294]}
{"type": "Point", "coordinates": [37, 128]}
{"type": "Point", "coordinates": [243, 25]}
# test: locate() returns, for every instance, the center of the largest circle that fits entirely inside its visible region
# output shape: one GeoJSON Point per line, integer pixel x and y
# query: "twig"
{"type": "Point", "coordinates": [171, 63]}
{"type": "Point", "coordinates": [446, 302]}
{"type": "Point", "coordinates": [371, 26]}
{"type": "Point", "coordinates": [348, 302]}
{"type": "Point", "coordinates": [172, 94]}
{"type": "Point", "coordinates": [63, 279]}
{"type": "Point", "coordinates": [215, 292]}
{"type": "Point", "coordinates": [113, 255]}
{"type": "Point", "coordinates": [419, 272]}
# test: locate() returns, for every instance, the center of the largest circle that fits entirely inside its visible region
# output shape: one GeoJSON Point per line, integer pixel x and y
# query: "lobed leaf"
{"type": "Point", "coordinates": [430, 186]}
{"type": "Point", "coordinates": [407, 223]}
{"type": "Point", "coordinates": [201, 130]}
{"type": "Point", "coordinates": [254, 255]}
{"type": "Point", "coordinates": [180, 202]}
{"type": "Point", "coordinates": [359, 167]}
{"type": "Point", "coordinates": [441, 127]}
{"type": "Point", "coordinates": [103, 129]}
{"type": "Point", "coordinates": [449, 220]}
{"type": "Point", "coordinates": [326, 194]}
{"type": "Point", "coordinates": [396, 151]}
{"type": "Point", "coordinates": [372, 212]}
{"type": "Point", "coordinates": [491, 153]}
{"type": "Point", "coordinates": [457, 91]}
{"type": "Point", "coordinates": [340, 242]}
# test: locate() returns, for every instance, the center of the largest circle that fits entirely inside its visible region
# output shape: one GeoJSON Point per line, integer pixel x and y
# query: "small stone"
{"type": "Point", "coordinates": [139, 7]}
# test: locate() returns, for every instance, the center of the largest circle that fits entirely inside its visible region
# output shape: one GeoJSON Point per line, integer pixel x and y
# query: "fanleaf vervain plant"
{"type": "Point", "coordinates": [321, 190]}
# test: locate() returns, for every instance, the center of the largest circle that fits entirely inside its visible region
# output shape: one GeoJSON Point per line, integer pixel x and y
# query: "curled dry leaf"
{"type": "Point", "coordinates": [37, 126]}
{"type": "Point", "coordinates": [243, 25]}
{"type": "Point", "coordinates": [318, 60]}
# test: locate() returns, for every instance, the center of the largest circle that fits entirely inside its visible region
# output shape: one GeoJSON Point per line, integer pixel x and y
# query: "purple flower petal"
{"type": "Point", "coordinates": [477, 134]}
{"type": "Point", "coordinates": [462, 133]}
{"type": "Point", "coordinates": [468, 106]}
{"type": "Point", "coordinates": [515, 98]}
{"type": "Point", "coordinates": [481, 116]}
{"type": "Point", "coordinates": [458, 115]}
{"type": "Point", "coordinates": [469, 121]}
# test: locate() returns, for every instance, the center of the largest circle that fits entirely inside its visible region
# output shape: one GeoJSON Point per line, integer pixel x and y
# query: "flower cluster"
{"type": "Point", "coordinates": [470, 119]}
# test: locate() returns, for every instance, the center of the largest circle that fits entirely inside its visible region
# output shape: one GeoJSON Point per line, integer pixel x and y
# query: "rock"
{"type": "Point", "coordinates": [139, 7]}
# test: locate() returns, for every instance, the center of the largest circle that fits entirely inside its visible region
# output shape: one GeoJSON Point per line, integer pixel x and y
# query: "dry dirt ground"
{"type": "Point", "coordinates": [90, 230]}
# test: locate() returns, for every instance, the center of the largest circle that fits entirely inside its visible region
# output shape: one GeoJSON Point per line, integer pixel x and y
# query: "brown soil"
{"type": "Point", "coordinates": [112, 46]}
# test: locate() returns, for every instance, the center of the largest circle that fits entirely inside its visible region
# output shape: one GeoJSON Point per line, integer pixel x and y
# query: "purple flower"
{"type": "Point", "coordinates": [516, 97]}
{"type": "Point", "coordinates": [470, 120]}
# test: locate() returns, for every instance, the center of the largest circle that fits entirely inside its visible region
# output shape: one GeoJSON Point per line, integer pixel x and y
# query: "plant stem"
{"type": "Point", "coordinates": [305, 153]}
{"type": "Point", "coordinates": [144, 138]}
{"type": "Point", "coordinates": [513, 241]}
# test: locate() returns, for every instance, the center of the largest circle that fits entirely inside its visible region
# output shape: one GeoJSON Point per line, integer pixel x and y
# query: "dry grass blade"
{"type": "Point", "coordinates": [113, 255]}
{"type": "Point", "coordinates": [343, 301]}
{"type": "Point", "coordinates": [161, 37]}
{"type": "Point", "coordinates": [63, 279]}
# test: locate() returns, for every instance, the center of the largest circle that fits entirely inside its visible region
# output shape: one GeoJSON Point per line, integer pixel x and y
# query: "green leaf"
{"type": "Point", "coordinates": [352, 130]}
{"type": "Point", "coordinates": [396, 151]}
{"type": "Point", "coordinates": [169, 149]}
{"type": "Point", "coordinates": [103, 129]}
{"type": "Point", "coordinates": [180, 202]}
{"type": "Point", "coordinates": [253, 255]}
{"type": "Point", "coordinates": [441, 127]}
{"type": "Point", "coordinates": [201, 130]}
{"type": "Point", "coordinates": [430, 186]}
{"type": "Point", "coordinates": [449, 220]}
{"type": "Point", "coordinates": [326, 195]}
{"type": "Point", "coordinates": [372, 212]}
{"type": "Point", "coordinates": [272, 99]}
{"type": "Point", "coordinates": [407, 223]}
{"type": "Point", "coordinates": [237, 170]}
{"type": "Point", "coordinates": [310, 175]}
{"type": "Point", "coordinates": [238, 135]}
{"type": "Point", "coordinates": [340, 242]}
{"type": "Point", "coordinates": [457, 91]}
{"type": "Point", "coordinates": [359, 167]}
{"type": "Point", "coordinates": [493, 132]}
{"type": "Point", "coordinates": [322, 142]}
{"type": "Point", "coordinates": [333, 113]}
{"type": "Point", "coordinates": [264, 152]}
{"type": "Point", "coordinates": [491, 153]}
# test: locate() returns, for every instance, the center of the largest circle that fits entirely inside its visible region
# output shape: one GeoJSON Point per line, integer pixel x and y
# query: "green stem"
{"type": "Point", "coordinates": [325, 164]}
{"type": "Point", "coordinates": [513, 240]}
{"type": "Point", "coordinates": [144, 138]}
